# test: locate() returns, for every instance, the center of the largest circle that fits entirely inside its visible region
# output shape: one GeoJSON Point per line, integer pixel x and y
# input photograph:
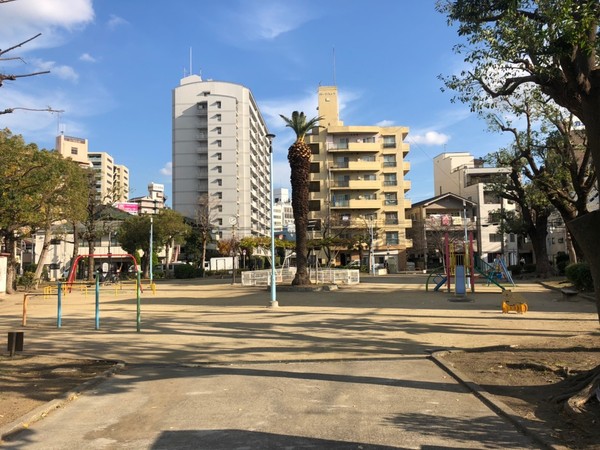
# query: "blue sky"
{"type": "Point", "coordinates": [114, 64]}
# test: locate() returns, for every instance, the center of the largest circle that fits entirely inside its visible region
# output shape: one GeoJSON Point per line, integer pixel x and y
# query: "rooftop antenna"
{"type": "Point", "coordinates": [334, 82]}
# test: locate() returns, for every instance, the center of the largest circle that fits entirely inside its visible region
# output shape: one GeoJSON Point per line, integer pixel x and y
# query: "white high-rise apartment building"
{"type": "Point", "coordinates": [220, 151]}
{"type": "Point", "coordinates": [283, 214]}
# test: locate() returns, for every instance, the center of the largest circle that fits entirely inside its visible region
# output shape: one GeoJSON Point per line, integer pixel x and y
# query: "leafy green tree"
{"type": "Point", "coordinates": [550, 44]}
{"type": "Point", "coordinates": [172, 229]}
{"type": "Point", "coordinates": [22, 169]}
{"type": "Point", "coordinates": [134, 235]}
{"type": "Point", "coordinates": [299, 155]}
{"type": "Point", "coordinates": [62, 197]}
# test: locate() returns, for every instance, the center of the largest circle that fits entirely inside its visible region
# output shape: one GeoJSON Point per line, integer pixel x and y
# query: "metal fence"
{"type": "Point", "coordinates": [286, 275]}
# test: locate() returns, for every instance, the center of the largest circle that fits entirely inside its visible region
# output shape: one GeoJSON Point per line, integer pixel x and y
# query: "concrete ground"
{"type": "Point", "coordinates": [212, 367]}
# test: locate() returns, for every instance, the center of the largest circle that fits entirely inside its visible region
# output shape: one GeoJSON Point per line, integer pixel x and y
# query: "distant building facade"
{"type": "Point", "coordinates": [462, 174]}
{"type": "Point", "coordinates": [221, 153]}
{"type": "Point", "coordinates": [111, 180]}
{"type": "Point", "coordinates": [357, 183]}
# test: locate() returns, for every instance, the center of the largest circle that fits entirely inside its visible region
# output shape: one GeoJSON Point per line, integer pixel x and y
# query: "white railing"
{"type": "Point", "coordinates": [286, 275]}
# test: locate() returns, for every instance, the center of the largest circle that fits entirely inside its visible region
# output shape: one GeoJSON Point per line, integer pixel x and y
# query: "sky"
{"type": "Point", "coordinates": [113, 65]}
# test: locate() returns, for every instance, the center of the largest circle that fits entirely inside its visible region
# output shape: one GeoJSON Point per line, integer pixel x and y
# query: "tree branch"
{"type": "Point", "coordinates": [48, 109]}
{"type": "Point", "coordinates": [2, 52]}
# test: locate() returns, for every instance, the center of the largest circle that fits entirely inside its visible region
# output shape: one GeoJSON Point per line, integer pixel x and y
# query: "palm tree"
{"type": "Point", "coordinates": [299, 157]}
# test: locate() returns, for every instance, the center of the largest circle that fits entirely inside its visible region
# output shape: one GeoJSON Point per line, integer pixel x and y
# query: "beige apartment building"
{"type": "Point", "coordinates": [112, 180]}
{"type": "Point", "coordinates": [462, 174]}
{"type": "Point", "coordinates": [221, 153]}
{"type": "Point", "coordinates": [358, 186]}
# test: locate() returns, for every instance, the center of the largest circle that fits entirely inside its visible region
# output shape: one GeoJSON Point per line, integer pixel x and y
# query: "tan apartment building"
{"type": "Point", "coordinates": [112, 180]}
{"type": "Point", "coordinates": [358, 186]}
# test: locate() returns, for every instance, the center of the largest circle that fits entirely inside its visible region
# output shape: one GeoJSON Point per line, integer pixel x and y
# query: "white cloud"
{"type": "Point", "coordinates": [167, 170]}
{"type": "Point", "coordinates": [262, 19]}
{"type": "Point", "coordinates": [24, 19]}
{"type": "Point", "coordinates": [429, 138]}
{"type": "Point", "coordinates": [385, 123]}
{"type": "Point", "coordinates": [86, 57]}
{"type": "Point", "coordinates": [62, 72]}
{"type": "Point", "coordinates": [116, 21]}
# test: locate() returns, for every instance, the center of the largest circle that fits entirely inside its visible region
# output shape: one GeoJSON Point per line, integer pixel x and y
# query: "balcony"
{"type": "Point", "coordinates": [370, 147]}
{"type": "Point", "coordinates": [357, 204]}
{"type": "Point", "coordinates": [356, 166]}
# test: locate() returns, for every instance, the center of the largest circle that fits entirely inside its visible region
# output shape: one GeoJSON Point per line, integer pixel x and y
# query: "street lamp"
{"type": "Point", "coordinates": [273, 303]}
{"type": "Point", "coordinates": [151, 231]}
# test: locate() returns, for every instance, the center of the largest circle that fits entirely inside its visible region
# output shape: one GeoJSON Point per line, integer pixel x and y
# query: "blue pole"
{"type": "Point", "coordinates": [59, 306]}
{"type": "Point", "coordinates": [274, 303]}
{"type": "Point", "coordinates": [97, 300]}
{"type": "Point", "coordinates": [139, 312]}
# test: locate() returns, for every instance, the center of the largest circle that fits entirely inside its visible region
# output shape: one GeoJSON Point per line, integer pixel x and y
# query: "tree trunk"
{"type": "Point", "coordinates": [585, 229]}
{"type": "Point", "coordinates": [11, 274]}
{"type": "Point", "coordinates": [542, 264]}
{"type": "Point", "coordinates": [300, 172]}
{"type": "Point", "coordinates": [40, 263]}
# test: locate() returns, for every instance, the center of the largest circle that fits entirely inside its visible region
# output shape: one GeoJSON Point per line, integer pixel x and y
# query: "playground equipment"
{"type": "Point", "coordinates": [461, 267]}
{"type": "Point", "coordinates": [509, 303]}
{"type": "Point", "coordinates": [60, 291]}
{"type": "Point", "coordinates": [73, 270]}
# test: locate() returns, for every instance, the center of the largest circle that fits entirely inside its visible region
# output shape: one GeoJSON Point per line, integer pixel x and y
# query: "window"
{"type": "Point", "coordinates": [314, 167]}
{"type": "Point", "coordinates": [201, 106]}
{"type": "Point", "coordinates": [218, 117]}
{"type": "Point", "coordinates": [389, 141]}
{"type": "Point", "coordinates": [389, 179]}
{"type": "Point", "coordinates": [370, 177]}
{"type": "Point", "coordinates": [219, 182]}
{"type": "Point", "coordinates": [73, 150]}
{"type": "Point", "coordinates": [314, 205]}
{"type": "Point", "coordinates": [218, 143]}
{"type": "Point", "coordinates": [219, 195]}
{"type": "Point", "coordinates": [391, 218]}
{"type": "Point", "coordinates": [370, 196]}
{"type": "Point", "coordinates": [389, 160]}
{"type": "Point", "coordinates": [219, 169]}
{"type": "Point", "coordinates": [218, 105]}
{"type": "Point", "coordinates": [219, 156]}
{"type": "Point", "coordinates": [369, 140]}
{"type": "Point", "coordinates": [368, 158]}
{"type": "Point", "coordinates": [391, 199]}
{"type": "Point", "coordinates": [314, 186]}
{"type": "Point", "coordinates": [391, 238]}
{"type": "Point", "coordinates": [218, 130]}
{"type": "Point", "coordinates": [342, 143]}
{"type": "Point", "coordinates": [495, 237]}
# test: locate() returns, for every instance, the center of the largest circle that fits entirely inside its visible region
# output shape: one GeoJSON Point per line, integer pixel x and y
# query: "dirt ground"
{"type": "Point", "coordinates": [526, 378]}
{"type": "Point", "coordinates": [522, 378]}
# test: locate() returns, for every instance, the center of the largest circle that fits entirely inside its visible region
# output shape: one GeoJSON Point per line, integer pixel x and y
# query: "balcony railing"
{"type": "Point", "coordinates": [390, 183]}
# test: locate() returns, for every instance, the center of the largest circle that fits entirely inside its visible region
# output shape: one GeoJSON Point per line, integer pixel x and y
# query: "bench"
{"type": "Point", "coordinates": [567, 293]}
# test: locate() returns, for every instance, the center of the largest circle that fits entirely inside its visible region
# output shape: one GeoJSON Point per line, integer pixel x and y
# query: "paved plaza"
{"type": "Point", "coordinates": [212, 367]}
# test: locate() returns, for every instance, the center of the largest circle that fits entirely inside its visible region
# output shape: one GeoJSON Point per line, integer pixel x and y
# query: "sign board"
{"type": "Point", "coordinates": [128, 207]}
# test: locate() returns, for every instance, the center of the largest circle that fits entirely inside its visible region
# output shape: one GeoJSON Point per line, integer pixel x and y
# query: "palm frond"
{"type": "Point", "coordinates": [299, 123]}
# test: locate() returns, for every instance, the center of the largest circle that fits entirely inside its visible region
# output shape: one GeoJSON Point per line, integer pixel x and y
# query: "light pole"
{"type": "Point", "coordinates": [465, 247]}
{"type": "Point", "coordinates": [273, 303]}
{"type": "Point", "coordinates": [151, 230]}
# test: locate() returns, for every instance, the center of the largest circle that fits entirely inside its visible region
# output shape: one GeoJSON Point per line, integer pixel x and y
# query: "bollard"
{"type": "Point", "coordinates": [15, 342]}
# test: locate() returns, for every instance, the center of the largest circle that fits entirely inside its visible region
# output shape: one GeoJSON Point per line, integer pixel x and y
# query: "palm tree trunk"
{"type": "Point", "coordinates": [300, 196]}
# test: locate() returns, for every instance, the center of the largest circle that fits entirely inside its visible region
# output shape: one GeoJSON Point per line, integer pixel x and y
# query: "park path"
{"type": "Point", "coordinates": [212, 367]}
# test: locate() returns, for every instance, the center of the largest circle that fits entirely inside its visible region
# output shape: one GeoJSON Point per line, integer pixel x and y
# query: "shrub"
{"type": "Point", "coordinates": [515, 270]}
{"type": "Point", "coordinates": [580, 275]}
{"type": "Point", "coordinates": [529, 268]}
{"type": "Point", "coordinates": [562, 261]}
{"type": "Point", "coordinates": [184, 271]}
{"type": "Point", "coordinates": [27, 281]}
